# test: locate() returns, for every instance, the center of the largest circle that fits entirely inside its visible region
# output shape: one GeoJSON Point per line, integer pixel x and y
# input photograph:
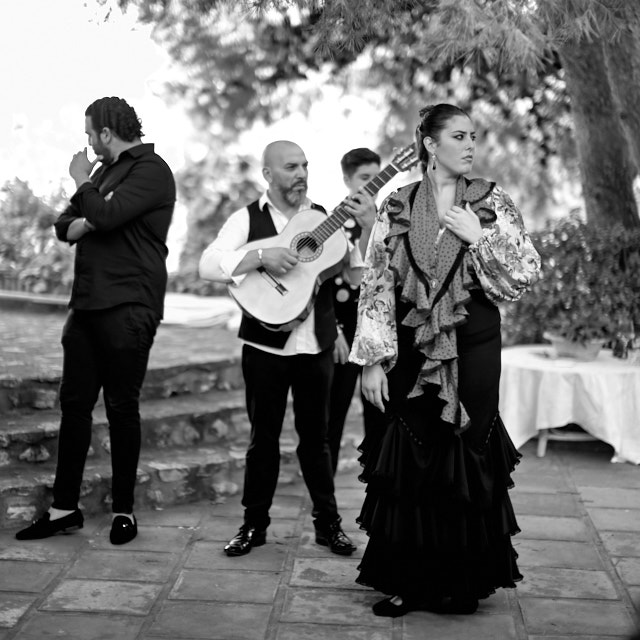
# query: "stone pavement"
{"type": "Point", "coordinates": [579, 552]}
{"type": "Point", "coordinates": [579, 549]}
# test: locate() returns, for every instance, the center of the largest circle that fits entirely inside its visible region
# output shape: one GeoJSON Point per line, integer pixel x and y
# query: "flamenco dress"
{"type": "Point", "coordinates": [437, 510]}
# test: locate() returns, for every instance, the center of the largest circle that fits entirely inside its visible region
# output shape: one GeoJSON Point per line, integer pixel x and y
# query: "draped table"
{"type": "Point", "coordinates": [540, 392]}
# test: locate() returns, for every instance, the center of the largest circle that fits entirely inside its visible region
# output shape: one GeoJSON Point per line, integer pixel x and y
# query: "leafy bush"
{"type": "Point", "coordinates": [31, 257]}
{"type": "Point", "coordinates": [590, 280]}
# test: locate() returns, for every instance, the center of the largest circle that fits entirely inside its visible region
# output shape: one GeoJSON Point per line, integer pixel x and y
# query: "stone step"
{"type": "Point", "coordinates": [199, 420]}
{"type": "Point", "coordinates": [165, 478]}
{"type": "Point", "coordinates": [191, 377]}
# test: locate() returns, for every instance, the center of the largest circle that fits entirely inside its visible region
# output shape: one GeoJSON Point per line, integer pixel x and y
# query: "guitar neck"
{"type": "Point", "coordinates": [340, 215]}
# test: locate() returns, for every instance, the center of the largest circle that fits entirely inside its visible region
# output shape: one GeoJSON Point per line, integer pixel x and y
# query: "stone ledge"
{"type": "Point", "coordinates": [164, 478]}
{"type": "Point", "coordinates": [206, 419]}
{"type": "Point", "coordinates": [41, 392]}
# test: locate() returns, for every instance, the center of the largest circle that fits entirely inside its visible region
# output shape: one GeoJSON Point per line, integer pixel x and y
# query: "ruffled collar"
{"type": "Point", "coordinates": [434, 276]}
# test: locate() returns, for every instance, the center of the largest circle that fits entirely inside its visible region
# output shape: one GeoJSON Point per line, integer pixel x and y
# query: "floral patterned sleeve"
{"type": "Point", "coordinates": [375, 341]}
{"type": "Point", "coordinates": [505, 260]}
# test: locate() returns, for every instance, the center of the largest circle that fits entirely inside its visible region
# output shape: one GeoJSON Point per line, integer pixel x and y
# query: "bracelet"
{"type": "Point", "coordinates": [260, 255]}
{"type": "Point", "coordinates": [85, 224]}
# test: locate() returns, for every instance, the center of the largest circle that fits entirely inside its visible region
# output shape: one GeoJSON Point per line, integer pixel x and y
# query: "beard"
{"type": "Point", "coordinates": [294, 195]}
{"type": "Point", "coordinates": [103, 151]}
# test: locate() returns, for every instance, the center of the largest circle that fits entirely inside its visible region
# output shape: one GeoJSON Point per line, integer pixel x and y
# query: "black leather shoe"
{"type": "Point", "coordinates": [246, 538]}
{"type": "Point", "coordinates": [123, 530]}
{"type": "Point", "coordinates": [336, 539]}
{"type": "Point", "coordinates": [44, 527]}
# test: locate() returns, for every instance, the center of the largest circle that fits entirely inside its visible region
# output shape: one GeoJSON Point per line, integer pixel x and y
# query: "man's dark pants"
{"type": "Point", "coordinates": [268, 378]}
{"type": "Point", "coordinates": [106, 349]}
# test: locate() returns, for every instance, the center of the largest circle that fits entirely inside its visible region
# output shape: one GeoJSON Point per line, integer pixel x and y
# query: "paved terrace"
{"type": "Point", "coordinates": [579, 551]}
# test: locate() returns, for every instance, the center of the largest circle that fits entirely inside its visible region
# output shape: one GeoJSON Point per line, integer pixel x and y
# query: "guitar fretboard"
{"type": "Point", "coordinates": [340, 215]}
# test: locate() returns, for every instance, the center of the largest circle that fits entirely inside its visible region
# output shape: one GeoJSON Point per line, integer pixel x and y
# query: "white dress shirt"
{"type": "Point", "coordinates": [222, 256]}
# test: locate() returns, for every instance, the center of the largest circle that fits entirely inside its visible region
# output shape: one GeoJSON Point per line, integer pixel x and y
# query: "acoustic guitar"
{"type": "Point", "coordinates": [280, 302]}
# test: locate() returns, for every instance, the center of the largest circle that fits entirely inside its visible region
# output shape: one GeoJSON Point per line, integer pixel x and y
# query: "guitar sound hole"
{"type": "Point", "coordinates": [306, 247]}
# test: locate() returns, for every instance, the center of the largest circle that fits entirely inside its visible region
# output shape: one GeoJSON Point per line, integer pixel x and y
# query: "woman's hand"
{"type": "Point", "coordinates": [464, 223]}
{"type": "Point", "coordinates": [374, 386]}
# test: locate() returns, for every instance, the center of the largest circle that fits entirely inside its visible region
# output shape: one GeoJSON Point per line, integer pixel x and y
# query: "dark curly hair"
{"type": "Point", "coordinates": [433, 119]}
{"type": "Point", "coordinates": [115, 114]}
{"type": "Point", "coordinates": [354, 159]}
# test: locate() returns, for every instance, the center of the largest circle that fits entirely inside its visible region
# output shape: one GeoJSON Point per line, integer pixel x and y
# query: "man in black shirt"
{"type": "Point", "coordinates": [119, 219]}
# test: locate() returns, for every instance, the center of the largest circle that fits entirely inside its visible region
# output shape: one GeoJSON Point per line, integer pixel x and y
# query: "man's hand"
{"type": "Point", "coordinates": [375, 387]}
{"type": "Point", "coordinates": [341, 349]}
{"type": "Point", "coordinates": [80, 167]}
{"type": "Point", "coordinates": [279, 260]}
{"type": "Point", "coordinates": [362, 207]}
{"type": "Point", "coordinates": [78, 228]}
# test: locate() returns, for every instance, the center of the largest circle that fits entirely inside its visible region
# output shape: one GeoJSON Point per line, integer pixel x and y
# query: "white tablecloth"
{"type": "Point", "coordinates": [538, 391]}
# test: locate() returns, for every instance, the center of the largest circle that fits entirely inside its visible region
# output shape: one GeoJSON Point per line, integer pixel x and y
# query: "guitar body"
{"type": "Point", "coordinates": [281, 301]}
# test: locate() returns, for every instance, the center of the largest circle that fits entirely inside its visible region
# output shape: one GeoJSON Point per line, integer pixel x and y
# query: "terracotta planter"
{"type": "Point", "coordinates": [569, 349]}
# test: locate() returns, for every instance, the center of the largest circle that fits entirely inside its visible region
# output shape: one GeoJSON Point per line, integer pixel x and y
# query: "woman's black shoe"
{"type": "Point", "coordinates": [123, 530]}
{"type": "Point", "coordinates": [388, 609]}
{"type": "Point", "coordinates": [44, 527]}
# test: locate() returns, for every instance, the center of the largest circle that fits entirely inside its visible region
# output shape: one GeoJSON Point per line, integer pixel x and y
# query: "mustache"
{"type": "Point", "coordinates": [299, 183]}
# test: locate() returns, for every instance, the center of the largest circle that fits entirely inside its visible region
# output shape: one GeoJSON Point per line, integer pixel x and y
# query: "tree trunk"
{"type": "Point", "coordinates": [622, 56]}
{"type": "Point", "coordinates": [603, 149]}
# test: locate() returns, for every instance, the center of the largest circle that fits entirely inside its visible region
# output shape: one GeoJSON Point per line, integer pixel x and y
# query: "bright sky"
{"type": "Point", "coordinates": [56, 57]}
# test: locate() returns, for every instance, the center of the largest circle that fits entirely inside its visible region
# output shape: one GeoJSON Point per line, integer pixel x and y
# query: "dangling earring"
{"type": "Point", "coordinates": [433, 166]}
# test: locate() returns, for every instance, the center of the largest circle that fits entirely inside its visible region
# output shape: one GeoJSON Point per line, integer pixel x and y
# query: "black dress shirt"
{"type": "Point", "coordinates": [130, 204]}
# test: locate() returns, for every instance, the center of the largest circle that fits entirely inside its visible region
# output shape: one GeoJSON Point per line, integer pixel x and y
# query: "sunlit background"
{"type": "Point", "coordinates": [57, 57]}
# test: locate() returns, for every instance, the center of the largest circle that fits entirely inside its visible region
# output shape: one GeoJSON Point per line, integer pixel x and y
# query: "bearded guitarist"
{"type": "Point", "coordinates": [275, 361]}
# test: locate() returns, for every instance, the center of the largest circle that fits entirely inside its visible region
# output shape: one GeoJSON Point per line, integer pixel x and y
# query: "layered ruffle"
{"type": "Point", "coordinates": [439, 517]}
{"type": "Point", "coordinates": [425, 263]}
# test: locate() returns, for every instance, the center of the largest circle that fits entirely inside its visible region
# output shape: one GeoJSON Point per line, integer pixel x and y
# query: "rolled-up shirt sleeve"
{"type": "Point", "coordinates": [221, 258]}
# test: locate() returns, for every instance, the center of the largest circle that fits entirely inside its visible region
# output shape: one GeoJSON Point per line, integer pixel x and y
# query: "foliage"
{"type": "Point", "coordinates": [30, 254]}
{"type": "Point", "coordinates": [211, 190]}
{"type": "Point", "coordinates": [590, 280]}
{"type": "Point", "coordinates": [239, 59]}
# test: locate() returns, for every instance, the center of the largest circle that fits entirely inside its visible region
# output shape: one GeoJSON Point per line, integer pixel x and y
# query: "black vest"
{"type": "Point", "coordinates": [261, 226]}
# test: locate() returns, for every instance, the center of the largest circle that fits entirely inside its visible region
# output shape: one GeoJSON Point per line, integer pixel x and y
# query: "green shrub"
{"type": "Point", "coordinates": [590, 280]}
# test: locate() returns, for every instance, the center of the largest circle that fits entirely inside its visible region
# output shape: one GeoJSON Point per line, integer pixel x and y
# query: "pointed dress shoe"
{"type": "Point", "coordinates": [123, 530]}
{"type": "Point", "coordinates": [246, 538]}
{"type": "Point", "coordinates": [336, 539]}
{"type": "Point", "coordinates": [44, 527]}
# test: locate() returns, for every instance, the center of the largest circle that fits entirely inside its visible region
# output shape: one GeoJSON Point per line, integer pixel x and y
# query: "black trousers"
{"type": "Point", "coordinates": [268, 378]}
{"type": "Point", "coordinates": [345, 377]}
{"type": "Point", "coordinates": [108, 350]}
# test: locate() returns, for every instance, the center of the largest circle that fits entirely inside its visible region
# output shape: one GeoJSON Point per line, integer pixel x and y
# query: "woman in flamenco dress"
{"type": "Point", "coordinates": [443, 253]}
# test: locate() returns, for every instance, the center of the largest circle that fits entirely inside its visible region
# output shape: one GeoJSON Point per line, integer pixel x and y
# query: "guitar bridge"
{"type": "Point", "coordinates": [274, 282]}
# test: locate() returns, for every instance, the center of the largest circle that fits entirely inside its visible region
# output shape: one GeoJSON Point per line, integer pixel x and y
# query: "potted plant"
{"type": "Point", "coordinates": [589, 284]}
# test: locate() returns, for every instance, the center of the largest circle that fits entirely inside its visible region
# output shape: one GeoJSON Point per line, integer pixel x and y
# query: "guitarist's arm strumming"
{"type": "Point", "coordinates": [281, 301]}
{"type": "Point", "coordinates": [228, 259]}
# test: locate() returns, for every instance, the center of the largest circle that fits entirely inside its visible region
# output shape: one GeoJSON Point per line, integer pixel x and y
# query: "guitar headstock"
{"type": "Point", "coordinates": [406, 158]}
